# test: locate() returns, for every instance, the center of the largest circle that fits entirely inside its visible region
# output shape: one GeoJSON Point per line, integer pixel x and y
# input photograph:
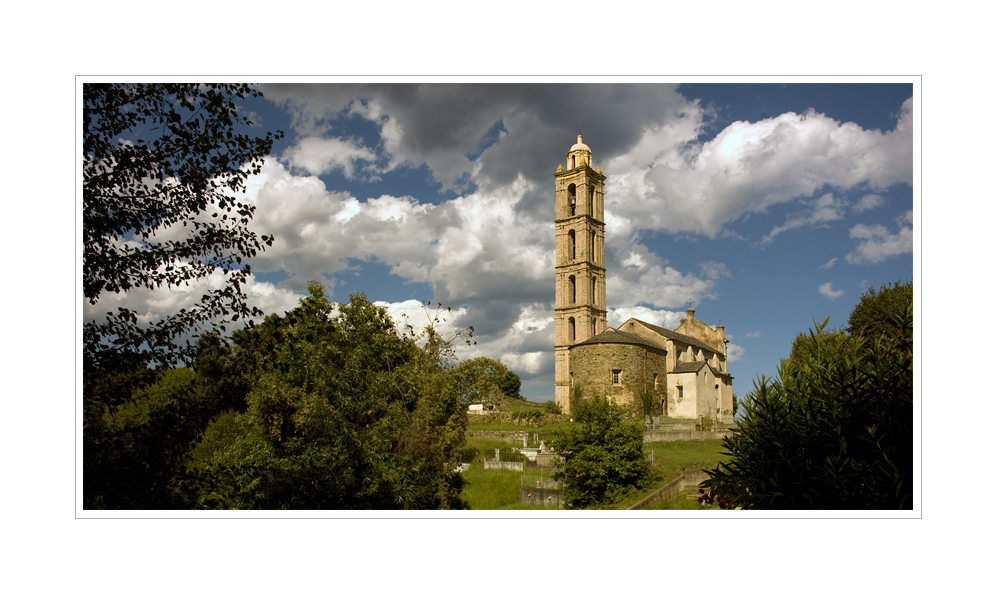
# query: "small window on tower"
{"type": "Point", "coordinates": [679, 388]}
{"type": "Point", "coordinates": [616, 376]}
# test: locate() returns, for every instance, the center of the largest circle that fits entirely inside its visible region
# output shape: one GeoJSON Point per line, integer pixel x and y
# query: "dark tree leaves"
{"type": "Point", "coordinates": [163, 167]}
{"type": "Point", "coordinates": [834, 430]}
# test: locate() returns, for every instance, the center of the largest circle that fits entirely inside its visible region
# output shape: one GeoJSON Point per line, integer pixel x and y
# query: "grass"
{"type": "Point", "coordinates": [499, 489]}
{"type": "Point", "coordinates": [545, 432]}
{"type": "Point", "coordinates": [491, 489]}
{"type": "Point", "coordinates": [670, 457]}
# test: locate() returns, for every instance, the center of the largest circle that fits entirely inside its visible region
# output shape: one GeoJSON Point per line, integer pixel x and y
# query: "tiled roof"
{"type": "Point", "coordinates": [695, 366]}
{"type": "Point", "coordinates": [689, 367]}
{"type": "Point", "coordinates": [613, 336]}
{"type": "Point", "coordinates": [675, 336]}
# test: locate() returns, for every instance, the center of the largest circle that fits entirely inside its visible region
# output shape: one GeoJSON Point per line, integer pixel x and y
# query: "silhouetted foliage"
{"type": "Point", "coordinates": [163, 165]}
{"type": "Point", "coordinates": [135, 455]}
{"type": "Point", "coordinates": [834, 430]}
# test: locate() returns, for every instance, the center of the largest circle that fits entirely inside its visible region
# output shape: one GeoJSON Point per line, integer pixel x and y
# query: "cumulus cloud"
{"type": "Point", "coordinates": [153, 305]}
{"type": "Point", "coordinates": [318, 156]}
{"type": "Point", "coordinates": [734, 352]}
{"type": "Point", "coordinates": [714, 270]}
{"type": "Point", "coordinates": [749, 167]}
{"type": "Point", "coordinates": [876, 243]}
{"type": "Point", "coordinates": [443, 126]}
{"type": "Point", "coordinates": [754, 334]}
{"type": "Point", "coordinates": [828, 291]}
{"type": "Point", "coordinates": [659, 317]}
{"type": "Point", "coordinates": [868, 202]}
{"type": "Point", "coordinates": [820, 212]}
{"type": "Point", "coordinates": [829, 264]}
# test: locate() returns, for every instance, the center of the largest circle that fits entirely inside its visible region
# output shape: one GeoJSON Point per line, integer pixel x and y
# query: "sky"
{"type": "Point", "coordinates": [769, 206]}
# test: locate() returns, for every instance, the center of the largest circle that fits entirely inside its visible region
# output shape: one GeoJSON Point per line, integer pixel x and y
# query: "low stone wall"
{"type": "Point", "coordinates": [684, 435]}
{"type": "Point", "coordinates": [542, 496]}
{"type": "Point", "coordinates": [690, 479]}
{"type": "Point", "coordinates": [510, 436]}
{"type": "Point", "coordinates": [680, 426]}
{"type": "Point", "coordinates": [499, 465]}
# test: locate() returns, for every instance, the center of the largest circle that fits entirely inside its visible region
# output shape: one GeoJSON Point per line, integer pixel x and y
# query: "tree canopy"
{"type": "Point", "coordinates": [344, 413]}
{"type": "Point", "coordinates": [834, 429]}
{"type": "Point", "coordinates": [326, 407]}
{"type": "Point", "coordinates": [163, 166]}
{"type": "Point", "coordinates": [603, 456]}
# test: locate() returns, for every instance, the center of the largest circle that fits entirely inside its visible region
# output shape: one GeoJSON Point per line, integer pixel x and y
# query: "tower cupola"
{"type": "Point", "coordinates": [579, 154]}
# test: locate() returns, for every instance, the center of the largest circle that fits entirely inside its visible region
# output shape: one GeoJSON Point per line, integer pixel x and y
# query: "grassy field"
{"type": "Point", "coordinates": [670, 457]}
{"type": "Point", "coordinates": [499, 489]}
{"type": "Point", "coordinates": [490, 489]}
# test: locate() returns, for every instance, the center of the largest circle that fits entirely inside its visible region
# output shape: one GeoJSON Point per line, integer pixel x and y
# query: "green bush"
{"type": "Point", "coordinates": [551, 408]}
{"type": "Point", "coordinates": [834, 430]}
{"type": "Point", "coordinates": [604, 459]}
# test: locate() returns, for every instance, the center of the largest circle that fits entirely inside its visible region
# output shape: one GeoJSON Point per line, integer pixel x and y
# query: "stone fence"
{"type": "Point", "coordinates": [690, 479]}
{"type": "Point", "coordinates": [510, 436]}
{"type": "Point", "coordinates": [684, 435]}
{"type": "Point", "coordinates": [500, 465]}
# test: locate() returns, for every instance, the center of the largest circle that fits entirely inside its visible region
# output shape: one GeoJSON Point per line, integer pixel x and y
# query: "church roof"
{"type": "Point", "coordinates": [675, 336]}
{"type": "Point", "coordinates": [613, 336]}
{"type": "Point", "coordinates": [695, 366]}
{"type": "Point", "coordinates": [689, 367]}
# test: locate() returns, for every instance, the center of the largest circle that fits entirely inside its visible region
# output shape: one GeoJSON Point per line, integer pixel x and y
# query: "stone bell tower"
{"type": "Point", "coordinates": [580, 267]}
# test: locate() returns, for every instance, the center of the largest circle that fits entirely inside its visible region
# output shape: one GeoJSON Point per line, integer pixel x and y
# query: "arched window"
{"type": "Point", "coordinates": [571, 289]}
{"type": "Point", "coordinates": [571, 243]}
{"type": "Point", "coordinates": [571, 329]}
{"type": "Point", "coordinates": [590, 195]}
{"type": "Point", "coordinates": [592, 294]}
{"type": "Point", "coordinates": [591, 246]}
{"type": "Point", "coordinates": [572, 199]}
{"type": "Point", "coordinates": [593, 326]}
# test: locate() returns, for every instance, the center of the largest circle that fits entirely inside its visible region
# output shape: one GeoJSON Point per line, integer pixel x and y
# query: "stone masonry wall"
{"type": "Point", "coordinates": [592, 365]}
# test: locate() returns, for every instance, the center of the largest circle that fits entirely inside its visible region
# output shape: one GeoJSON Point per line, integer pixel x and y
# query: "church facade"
{"type": "Point", "coordinates": [683, 371]}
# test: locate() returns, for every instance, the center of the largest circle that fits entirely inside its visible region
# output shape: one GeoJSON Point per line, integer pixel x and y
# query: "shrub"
{"type": "Point", "coordinates": [604, 458]}
{"type": "Point", "coordinates": [834, 430]}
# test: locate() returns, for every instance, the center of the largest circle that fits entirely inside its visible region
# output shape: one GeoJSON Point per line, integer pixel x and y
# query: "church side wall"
{"type": "Point", "coordinates": [592, 367]}
{"type": "Point", "coordinates": [686, 406]}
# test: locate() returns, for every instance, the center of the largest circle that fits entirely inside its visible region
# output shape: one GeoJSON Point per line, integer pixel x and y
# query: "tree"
{"type": "Point", "coordinates": [834, 429]}
{"type": "Point", "coordinates": [603, 457]}
{"type": "Point", "coordinates": [880, 314]}
{"type": "Point", "coordinates": [135, 456]}
{"type": "Point", "coordinates": [511, 384]}
{"type": "Point", "coordinates": [484, 378]}
{"type": "Point", "coordinates": [163, 166]}
{"type": "Point", "coordinates": [344, 413]}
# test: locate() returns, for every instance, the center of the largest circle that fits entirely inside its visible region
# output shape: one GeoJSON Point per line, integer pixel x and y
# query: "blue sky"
{"type": "Point", "coordinates": [767, 205]}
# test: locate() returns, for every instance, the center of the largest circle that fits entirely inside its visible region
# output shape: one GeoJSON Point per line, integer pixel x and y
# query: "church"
{"type": "Point", "coordinates": [682, 371]}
